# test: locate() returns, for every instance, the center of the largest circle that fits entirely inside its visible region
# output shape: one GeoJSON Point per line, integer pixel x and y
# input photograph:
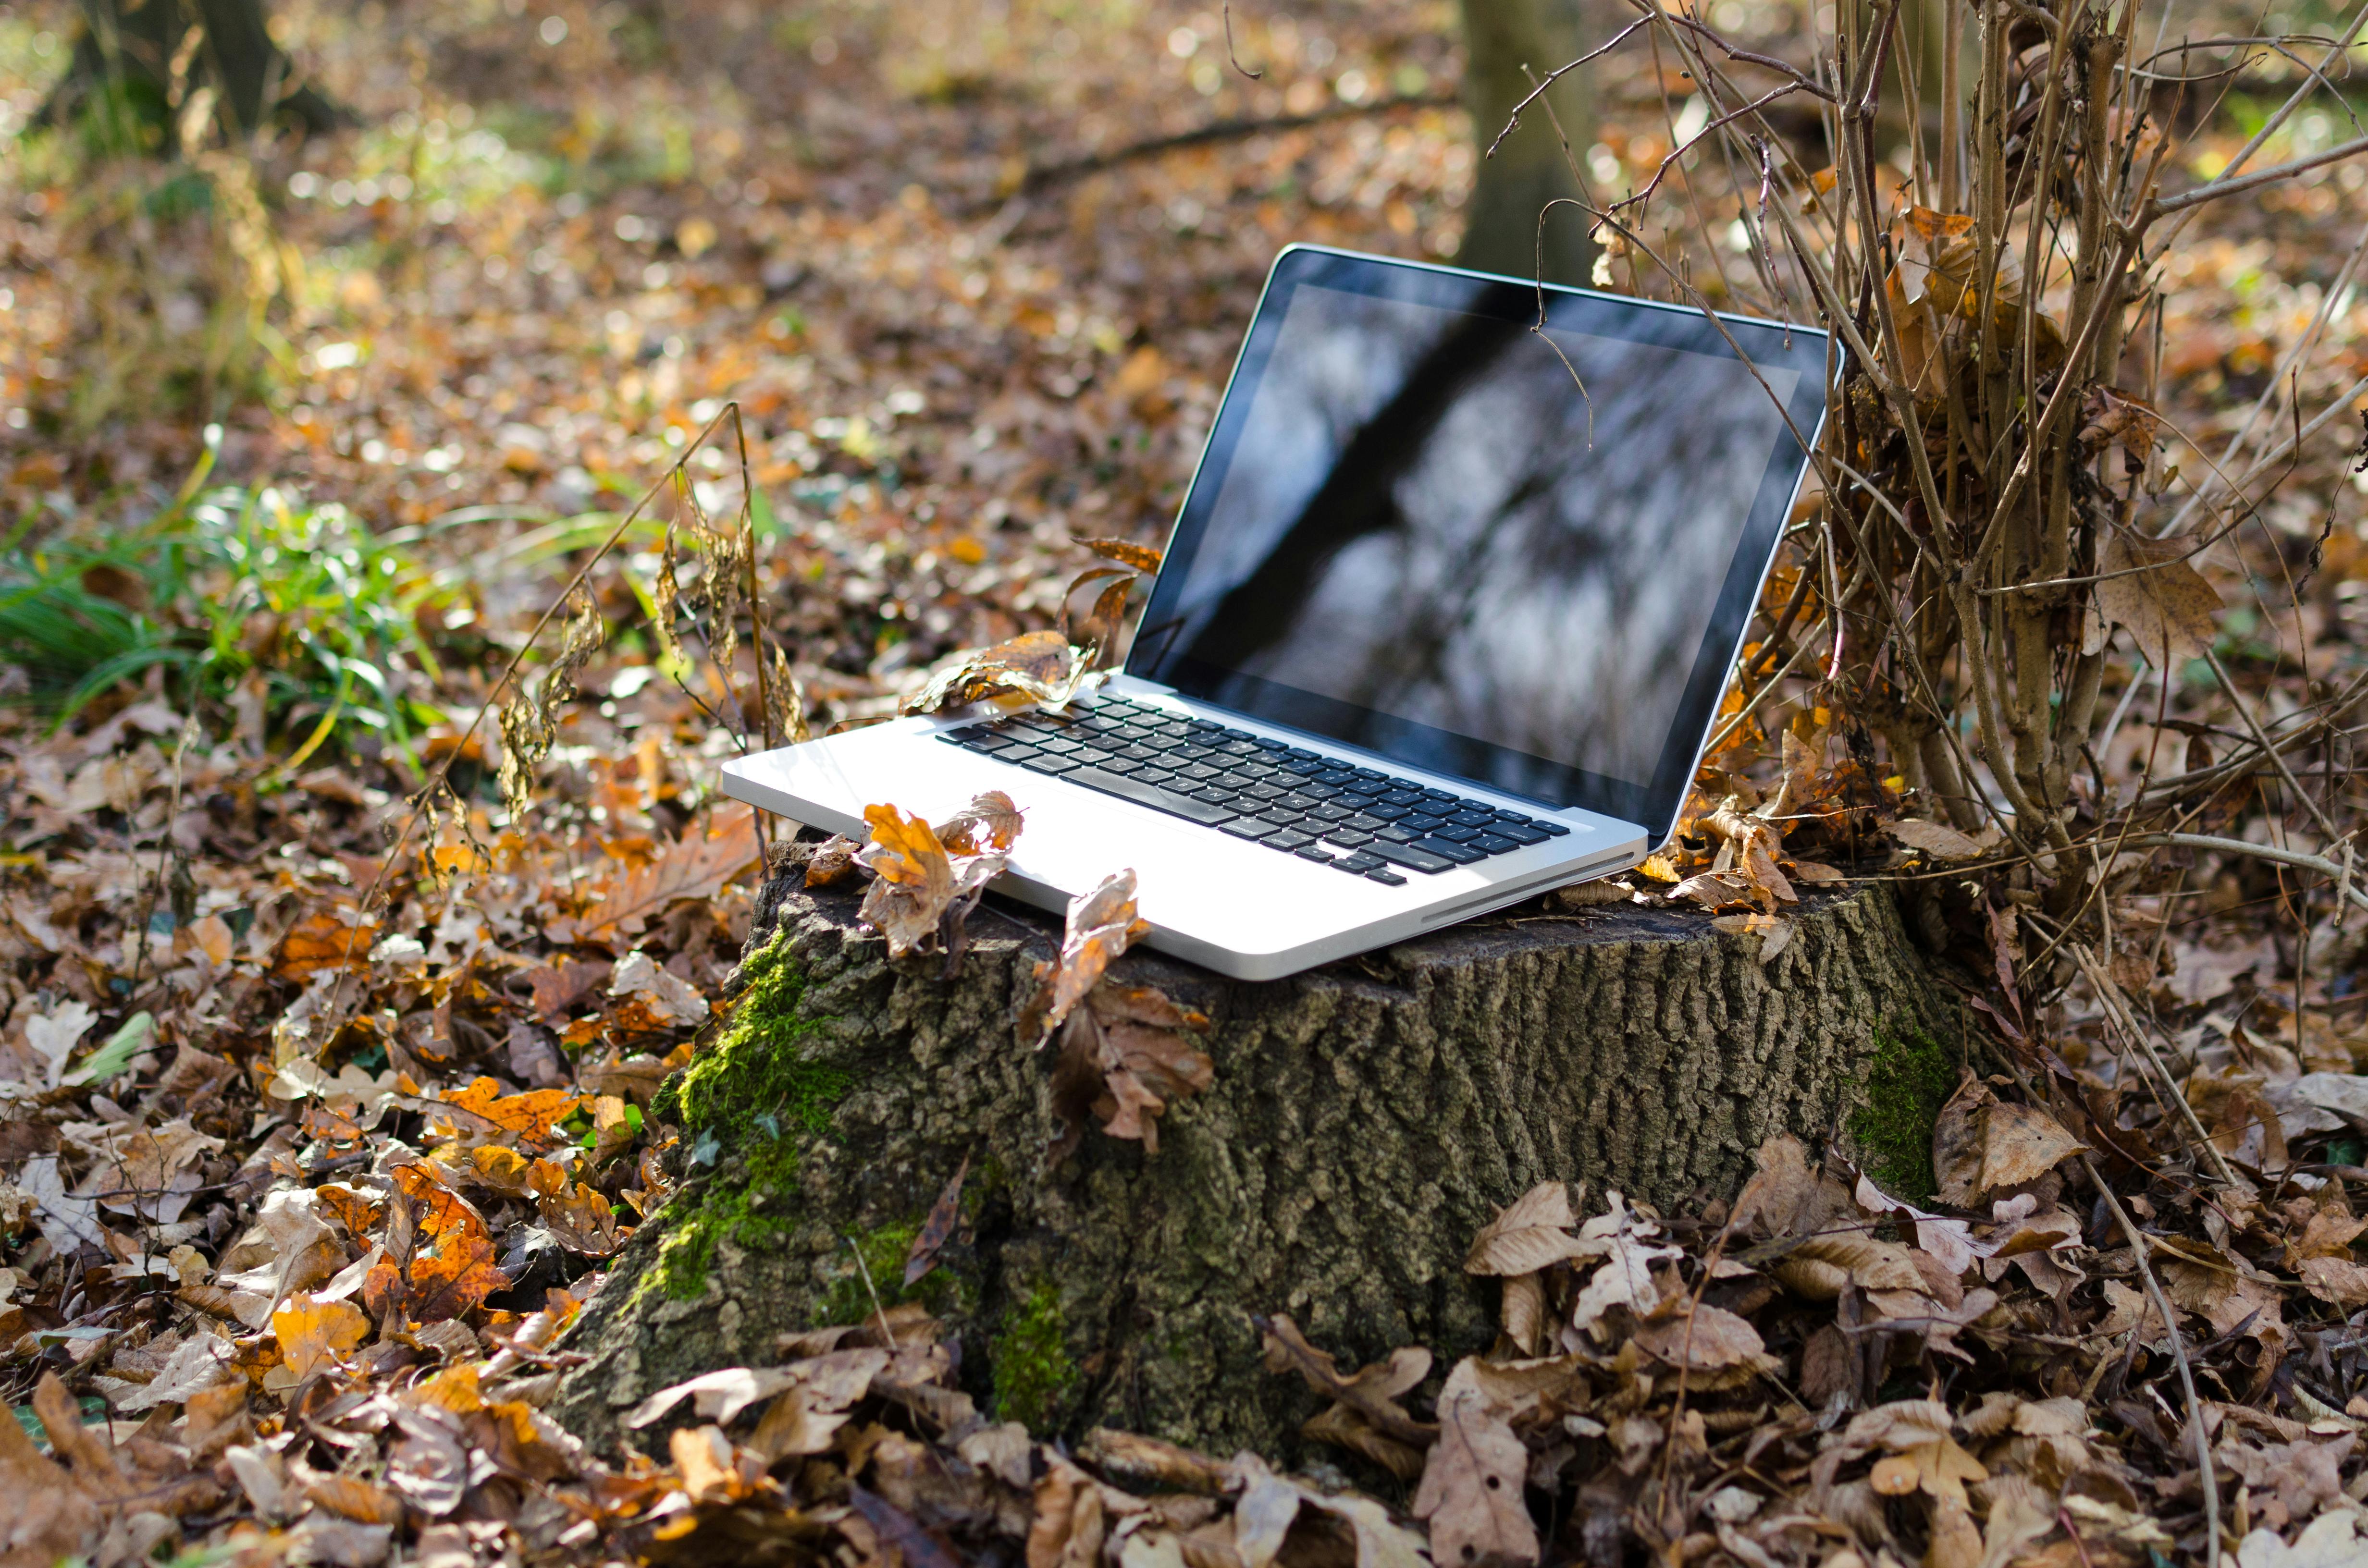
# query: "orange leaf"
{"type": "Point", "coordinates": [313, 1335]}
{"type": "Point", "coordinates": [439, 1210]}
{"type": "Point", "coordinates": [456, 1275]}
{"type": "Point", "coordinates": [696, 865]}
{"type": "Point", "coordinates": [528, 1118]}
{"type": "Point", "coordinates": [320, 940]}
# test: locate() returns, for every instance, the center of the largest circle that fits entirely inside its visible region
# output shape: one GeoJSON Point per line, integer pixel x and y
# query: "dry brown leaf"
{"type": "Point", "coordinates": [1472, 1486]}
{"type": "Point", "coordinates": [2019, 1144]}
{"type": "Point", "coordinates": [1958, 1141]}
{"type": "Point", "coordinates": [350, 1497]}
{"type": "Point", "coordinates": [1040, 667]}
{"type": "Point", "coordinates": [989, 824]}
{"type": "Point", "coordinates": [833, 861]}
{"type": "Point", "coordinates": [583, 1221]}
{"type": "Point", "coordinates": [1708, 1339]}
{"type": "Point", "coordinates": [918, 884]}
{"type": "Point", "coordinates": [1531, 1233]}
{"type": "Point", "coordinates": [322, 939]}
{"type": "Point", "coordinates": [529, 1121]}
{"type": "Point", "coordinates": [2168, 610]}
{"type": "Point", "coordinates": [1372, 1391]}
{"type": "Point", "coordinates": [1940, 842]}
{"type": "Point", "coordinates": [1142, 557]}
{"type": "Point", "coordinates": [1100, 925]}
{"type": "Point", "coordinates": [940, 1226]}
{"type": "Point", "coordinates": [696, 865]}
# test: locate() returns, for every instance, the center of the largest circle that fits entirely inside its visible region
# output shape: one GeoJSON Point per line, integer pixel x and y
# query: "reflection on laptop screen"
{"type": "Point", "coordinates": [1424, 518]}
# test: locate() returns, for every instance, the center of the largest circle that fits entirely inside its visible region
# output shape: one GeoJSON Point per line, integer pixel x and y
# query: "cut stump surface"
{"type": "Point", "coordinates": [1366, 1120]}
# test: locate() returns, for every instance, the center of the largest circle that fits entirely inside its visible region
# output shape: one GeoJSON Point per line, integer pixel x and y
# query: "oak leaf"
{"type": "Point", "coordinates": [916, 883]}
{"type": "Point", "coordinates": [696, 865]}
{"type": "Point", "coordinates": [1100, 925]}
{"type": "Point", "coordinates": [529, 1121]}
{"type": "Point", "coordinates": [1039, 666]}
{"type": "Point", "coordinates": [323, 940]}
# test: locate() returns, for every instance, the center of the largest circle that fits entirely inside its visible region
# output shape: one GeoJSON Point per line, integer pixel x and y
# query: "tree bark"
{"type": "Point", "coordinates": [141, 47]}
{"type": "Point", "coordinates": [1509, 45]}
{"type": "Point", "coordinates": [1365, 1120]}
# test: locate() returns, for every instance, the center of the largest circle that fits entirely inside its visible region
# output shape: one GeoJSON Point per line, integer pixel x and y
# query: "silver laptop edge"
{"type": "Point", "coordinates": [1238, 908]}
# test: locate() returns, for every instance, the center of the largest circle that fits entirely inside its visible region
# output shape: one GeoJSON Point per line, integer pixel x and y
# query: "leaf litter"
{"type": "Point", "coordinates": [331, 1117]}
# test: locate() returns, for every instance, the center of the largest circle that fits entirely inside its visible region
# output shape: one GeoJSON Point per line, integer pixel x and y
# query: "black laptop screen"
{"type": "Point", "coordinates": [1520, 558]}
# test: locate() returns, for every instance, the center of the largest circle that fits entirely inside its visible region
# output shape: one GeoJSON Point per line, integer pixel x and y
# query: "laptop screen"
{"type": "Point", "coordinates": [1520, 557]}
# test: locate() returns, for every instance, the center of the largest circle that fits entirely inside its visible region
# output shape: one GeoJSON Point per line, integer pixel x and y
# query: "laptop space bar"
{"type": "Point", "coordinates": [1150, 795]}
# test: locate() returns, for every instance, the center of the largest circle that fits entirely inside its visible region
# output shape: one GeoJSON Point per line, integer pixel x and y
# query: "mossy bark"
{"type": "Point", "coordinates": [1366, 1120]}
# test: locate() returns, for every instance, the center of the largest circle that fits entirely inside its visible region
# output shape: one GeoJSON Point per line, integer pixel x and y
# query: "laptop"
{"type": "Point", "coordinates": [1443, 622]}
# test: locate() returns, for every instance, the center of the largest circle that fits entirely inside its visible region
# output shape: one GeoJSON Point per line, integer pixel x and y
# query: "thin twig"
{"type": "Point", "coordinates": [2179, 1354]}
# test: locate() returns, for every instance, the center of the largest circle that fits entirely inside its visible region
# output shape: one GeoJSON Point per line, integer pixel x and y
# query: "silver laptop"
{"type": "Point", "coordinates": [1443, 622]}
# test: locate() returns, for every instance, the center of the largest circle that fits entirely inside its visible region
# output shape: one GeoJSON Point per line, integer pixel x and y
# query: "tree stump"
{"type": "Point", "coordinates": [1366, 1120]}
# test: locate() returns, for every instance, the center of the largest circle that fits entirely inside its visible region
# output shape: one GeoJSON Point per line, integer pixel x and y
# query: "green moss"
{"type": "Point", "coordinates": [1033, 1374]}
{"type": "Point", "coordinates": [1907, 1082]}
{"type": "Point", "coordinates": [756, 1212]}
{"type": "Point", "coordinates": [753, 1093]}
{"type": "Point", "coordinates": [884, 1252]}
{"type": "Point", "coordinates": [757, 1078]}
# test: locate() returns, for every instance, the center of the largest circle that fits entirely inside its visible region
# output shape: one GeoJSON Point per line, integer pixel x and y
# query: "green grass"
{"type": "Point", "coordinates": [224, 590]}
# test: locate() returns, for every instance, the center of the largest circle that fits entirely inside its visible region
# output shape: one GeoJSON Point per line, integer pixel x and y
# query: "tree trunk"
{"type": "Point", "coordinates": [154, 52]}
{"type": "Point", "coordinates": [1509, 45]}
{"type": "Point", "coordinates": [1365, 1120]}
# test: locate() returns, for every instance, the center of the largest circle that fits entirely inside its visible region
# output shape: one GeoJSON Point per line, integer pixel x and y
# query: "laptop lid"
{"type": "Point", "coordinates": [1522, 558]}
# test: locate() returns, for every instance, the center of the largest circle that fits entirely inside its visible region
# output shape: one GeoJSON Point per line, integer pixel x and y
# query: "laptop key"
{"type": "Point", "coordinates": [1471, 817]}
{"type": "Point", "coordinates": [1315, 852]}
{"type": "Point", "coordinates": [1361, 863]}
{"type": "Point", "coordinates": [1287, 838]}
{"type": "Point", "coordinates": [1387, 878]}
{"type": "Point", "coordinates": [1490, 843]}
{"type": "Point", "coordinates": [1454, 834]}
{"type": "Point", "coordinates": [1046, 762]}
{"type": "Point", "coordinates": [1517, 833]}
{"type": "Point", "coordinates": [1412, 857]}
{"type": "Point", "coordinates": [1252, 828]}
{"type": "Point", "coordinates": [1401, 797]}
{"type": "Point", "coordinates": [1458, 853]}
{"type": "Point", "coordinates": [1555, 828]}
{"type": "Point", "coordinates": [1151, 795]}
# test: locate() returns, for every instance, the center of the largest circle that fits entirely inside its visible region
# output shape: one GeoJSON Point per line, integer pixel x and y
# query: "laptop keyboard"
{"type": "Point", "coordinates": [1357, 820]}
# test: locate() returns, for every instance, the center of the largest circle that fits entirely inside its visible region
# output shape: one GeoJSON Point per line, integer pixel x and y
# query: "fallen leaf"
{"type": "Point", "coordinates": [583, 1221]}
{"type": "Point", "coordinates": [315, 1335]}
{"type": "Point", "coordinates": [1038, 666]}
{"type": "Point", "coordinates": [1472, 1486]}
{"type": "Point", "coordinates": [696, 865]}
{"type": "Point", "coordinates": [916, 883]}
{"type": "Point", "coordinates": [1100, 925]}
{"type": "Point", "coordinates": [2150, 589]}
{"type": "Point", "coordinates": [1529, 1235]}
{"type": "Point", "coordinates": [651, 998]}
{"type": "Point", "coordinates": [1940, 842]}
{"type": "Point", "coordinates": [2019, 1144]}
{"type": "Point", "coordinates": [940, 1226]}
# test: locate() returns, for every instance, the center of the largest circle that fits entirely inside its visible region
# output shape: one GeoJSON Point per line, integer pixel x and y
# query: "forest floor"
{"type": "Point", "coordinates": [308, 1156]}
